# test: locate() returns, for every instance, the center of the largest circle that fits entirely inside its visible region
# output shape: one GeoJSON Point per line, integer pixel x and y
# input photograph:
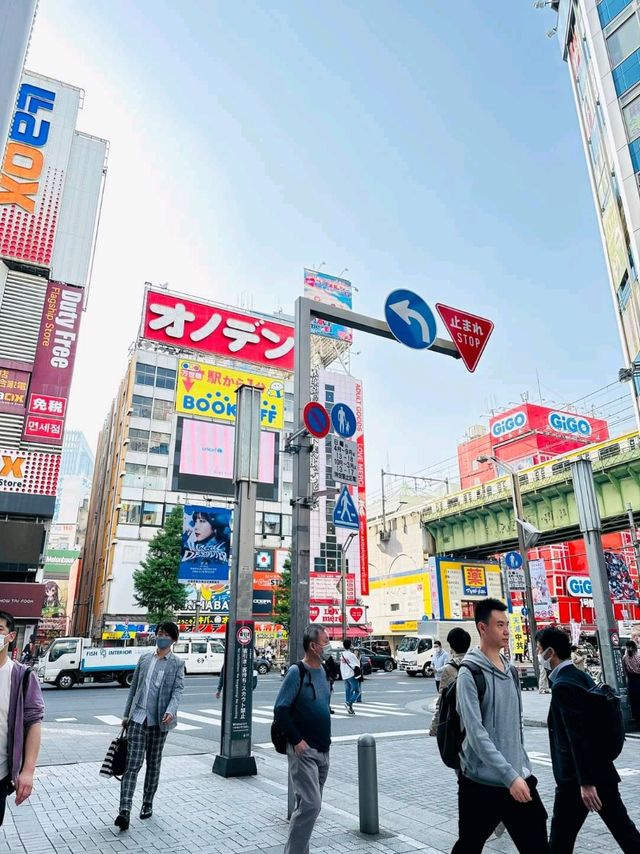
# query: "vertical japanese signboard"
{"type": "Point", "coordinates": [53, 366]}
{"type": "Point", "coordinates": [242, 680]}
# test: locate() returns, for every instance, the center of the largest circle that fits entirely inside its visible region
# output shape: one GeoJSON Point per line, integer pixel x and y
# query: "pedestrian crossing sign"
{"type": "Point", "coordinates": [345, 513]}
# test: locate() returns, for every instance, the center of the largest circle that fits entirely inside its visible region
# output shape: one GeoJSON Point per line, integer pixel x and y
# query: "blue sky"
{"type": "Point", "coordinates": [426, 144]}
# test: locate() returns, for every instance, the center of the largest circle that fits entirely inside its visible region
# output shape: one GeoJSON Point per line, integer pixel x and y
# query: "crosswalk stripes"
{"type": "Point", "coordinates": [263, 714]}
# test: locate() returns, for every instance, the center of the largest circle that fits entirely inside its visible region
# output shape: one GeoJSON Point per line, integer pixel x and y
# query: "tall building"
{"type": "Point", "coordinates": [51, 183]}
{"type": "Point", "coordinates": [77, 456]}
{"type": "Point", "coordinates": [168, 440]}
{"type": "Point", "coordinates": [600, 42]}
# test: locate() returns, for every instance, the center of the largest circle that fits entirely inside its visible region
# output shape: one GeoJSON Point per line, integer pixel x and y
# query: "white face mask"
{"type": "Point", "coordinates": [1, 642]}
{"type": "Point", "coordinates": [544, 662]}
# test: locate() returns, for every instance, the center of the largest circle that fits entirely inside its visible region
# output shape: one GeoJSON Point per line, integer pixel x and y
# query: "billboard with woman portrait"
{"type": "Point", "coordinates": [206, 544]}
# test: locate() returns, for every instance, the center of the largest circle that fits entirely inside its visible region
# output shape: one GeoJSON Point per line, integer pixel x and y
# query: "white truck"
{"type": "Point", "coordinates": [70, 661]}
{"type": "Point", "coordinates": [416, 650]}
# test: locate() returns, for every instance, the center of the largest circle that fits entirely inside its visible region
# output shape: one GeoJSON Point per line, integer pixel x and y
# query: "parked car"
{"type": "Point", "coordinates": [379, 660]}
{"type": "Point", "coordinates": [262, 665]}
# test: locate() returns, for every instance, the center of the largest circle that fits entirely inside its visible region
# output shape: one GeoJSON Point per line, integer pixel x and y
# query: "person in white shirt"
{"type": "Point", "coordinates": [348, 672]}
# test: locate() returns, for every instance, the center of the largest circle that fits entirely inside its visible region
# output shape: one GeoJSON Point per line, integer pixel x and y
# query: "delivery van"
{"type": "Point", "coordinates": [71, 661]}
{"type": "Point", "coordinates": [416, 650]}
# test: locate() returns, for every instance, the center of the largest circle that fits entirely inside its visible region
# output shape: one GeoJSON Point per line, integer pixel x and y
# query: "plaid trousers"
{"type": "Point", "coordinates": [142, 739]}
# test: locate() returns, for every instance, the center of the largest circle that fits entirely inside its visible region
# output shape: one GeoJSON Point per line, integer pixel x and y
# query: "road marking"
{"type": "Point", "coordinates": [200, 719]}
{"type": "Point", "coordinates": [334, 738]}
{"type": "Point", "coordinates": [66, 720]}
{"type": "Point", "coordinates": [112, 720]}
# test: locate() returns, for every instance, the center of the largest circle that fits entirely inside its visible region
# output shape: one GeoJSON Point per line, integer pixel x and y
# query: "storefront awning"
{"type": "Point", "coordinates": [335, 632]}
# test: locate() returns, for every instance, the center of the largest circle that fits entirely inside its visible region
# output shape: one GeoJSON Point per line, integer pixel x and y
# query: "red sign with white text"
{"type": "Point", "coordinates": [39, 427]}
{"type": "Point", "coordinates": [192, 325]}
{"type": "Point", "coordinates": [13, 389]}
{"type": "Point", "coordinates": [53, 365]}
{"type": "Point", "coordinates": [469, 332]}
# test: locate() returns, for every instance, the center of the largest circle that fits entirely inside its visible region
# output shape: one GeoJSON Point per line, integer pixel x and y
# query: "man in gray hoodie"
{"type": "Point", "coordinates": [495, 783]}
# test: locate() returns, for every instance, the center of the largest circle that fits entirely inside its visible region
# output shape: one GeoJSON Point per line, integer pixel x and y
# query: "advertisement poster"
{"type": "Point", "coordinates": [620, 581]}
{"type": "Point", "coordinates": [206, 542]}
{"type": "Point", "coordinates": [207, 451]}
{"type": "Point", "coordinates": [542, 604]}
{"type": "Point", "coordinates": [210, 390]}
{"type": "Point", "coordinates": [517, 634]}
{"type": "Point", "coordinates": [13, 390]}
{"type": "Point", "coordinates": [329, 290]}
{"type": "Point", "coordinates": [475, 581]}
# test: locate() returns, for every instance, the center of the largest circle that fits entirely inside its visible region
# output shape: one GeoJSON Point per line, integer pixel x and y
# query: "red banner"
{"type": "Point", "coordinates": [53, 366]}
{"type": "Point", "coordinates": [192, 325]}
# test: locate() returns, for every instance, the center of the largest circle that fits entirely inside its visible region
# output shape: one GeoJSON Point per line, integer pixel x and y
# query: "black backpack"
{"type": "Point", "coordinates": [278, 735]}
{"type": "Point", "coordinates": [450, 734]}
{"type": "Point", "coordinates": [605, 718]}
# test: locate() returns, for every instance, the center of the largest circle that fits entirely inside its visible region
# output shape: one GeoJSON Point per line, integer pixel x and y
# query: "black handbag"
{"type": "Point", "coordinates": [115, 762]}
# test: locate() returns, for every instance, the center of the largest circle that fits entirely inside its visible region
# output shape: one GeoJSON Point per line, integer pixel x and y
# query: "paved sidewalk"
{"type": "Point", "coordinates": [72, 809]}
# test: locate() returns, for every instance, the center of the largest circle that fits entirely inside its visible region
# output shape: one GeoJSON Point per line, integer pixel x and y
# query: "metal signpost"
{"type": "Point", "coordinates": [235, 759]}
{"type": "Point", "coordinates": [306, 310]}
{"type": "Point", "coordinates": [591, 527]}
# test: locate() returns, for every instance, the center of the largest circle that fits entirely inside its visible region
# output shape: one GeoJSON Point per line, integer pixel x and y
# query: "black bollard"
{"type": "Point", "coordinates": [368, 785]}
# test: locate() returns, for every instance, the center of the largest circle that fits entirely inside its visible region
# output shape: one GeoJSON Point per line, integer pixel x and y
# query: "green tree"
{"type": "Point", "coordinates": [282, 596]}
{"type": "Point", "coordinates": [156, 583]}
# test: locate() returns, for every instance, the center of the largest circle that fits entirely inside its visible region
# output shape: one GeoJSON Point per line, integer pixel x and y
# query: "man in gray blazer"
{"type": "Point", "coordinates": [150, 712]}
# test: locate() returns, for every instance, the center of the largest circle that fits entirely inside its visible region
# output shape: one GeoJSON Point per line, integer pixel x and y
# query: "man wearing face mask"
{"type": "Point", "coordinates": [154, 696]}
{"type": "Point", "coordinates": [302, 710]}
{"type": "Point", "coordinates": [586, 779]}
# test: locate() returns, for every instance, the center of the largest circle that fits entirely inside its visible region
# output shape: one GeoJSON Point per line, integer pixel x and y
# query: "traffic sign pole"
{"type": "Point", "coordinates": [305, 310]}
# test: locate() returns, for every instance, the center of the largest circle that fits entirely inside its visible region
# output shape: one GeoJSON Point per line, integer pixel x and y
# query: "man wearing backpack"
{"type": "Point", "coordinates": [581, 752]}
{"type": "Point", "coordinates": [302, 711]}
{"type": "Point", "coordinates": [459, 642]}
{"type": "Point", "coordinates": [495, 783]}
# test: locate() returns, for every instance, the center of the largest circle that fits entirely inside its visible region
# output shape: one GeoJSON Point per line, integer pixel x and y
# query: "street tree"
{"type": "Point", "coordinates": [282, 596]}
{"type": "Point", "coordinates": [156, 582]}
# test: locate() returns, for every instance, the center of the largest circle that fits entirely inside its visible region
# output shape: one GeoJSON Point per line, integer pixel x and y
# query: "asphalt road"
{"type": "Point", "coordinates": [392, 703]}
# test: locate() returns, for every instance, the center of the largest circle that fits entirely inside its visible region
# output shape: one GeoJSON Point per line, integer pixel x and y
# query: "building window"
{"type": "Point", "coordinates": [145, 374]}
{"type": "Point", "coordinates": [141, 406]}
{"type": "Point", "coordinates": [162, 410]}
{"type": "Point", "coordinates": [395, 606]}
{"type": "Point", "coordinates": [134, 474]}
{"type": "Point", "coordinates": [286, 525]}
{"type": "Point", "coordinates": [609, 9]}
{"type": "Point", "coordinates": [159, 443]}
{"type": "Point", "coordinates": [138, 440]}
{"type": "Point", "coordinates": [130, 513]}
{"type": "Point", "coordinates": [165, 378]}
{"type": "Point", "coordinates": [624, 41]}
{"type": "Point", "coordinates": [155, 477]}
{"type": "Point", "coordinates": [631, 115]}
{"type": "Point", "coordinates": [271, 524]}
{"type": "Point", "coordinates": [152, 513]}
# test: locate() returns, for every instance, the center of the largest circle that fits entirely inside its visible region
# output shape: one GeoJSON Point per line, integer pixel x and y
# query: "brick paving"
{"type": "Point", "coordinates": [73, 808]}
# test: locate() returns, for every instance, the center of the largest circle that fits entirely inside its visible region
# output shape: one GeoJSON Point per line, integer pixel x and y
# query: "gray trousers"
{"type": "Point", "coordinates": [142, 740]}
{"type": "Point", "coordinates": [308, 774]}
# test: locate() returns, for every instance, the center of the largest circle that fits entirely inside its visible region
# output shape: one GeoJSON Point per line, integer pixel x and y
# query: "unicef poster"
{"type": "Point", "coordinates": [206, 544]}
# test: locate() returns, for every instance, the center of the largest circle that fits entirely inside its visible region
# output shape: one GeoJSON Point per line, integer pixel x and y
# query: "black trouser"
{"type": "Point", "coordinates": [481, 809]}
{"type": "Point", "coordinates": [569, 813]}
{"type": "Point", "coordinates": [4, 785]}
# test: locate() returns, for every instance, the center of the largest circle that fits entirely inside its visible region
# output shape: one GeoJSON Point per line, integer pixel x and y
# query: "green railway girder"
{"type": "Point", "coordinates": [488, 526]}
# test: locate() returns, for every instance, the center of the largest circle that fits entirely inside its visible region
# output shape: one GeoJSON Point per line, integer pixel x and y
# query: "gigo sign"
{"type": "Point", "coordinates": [579, 586]}
{"type": "Point", "coordinates": [23, 160]}
{"type": "Point", "coordinates": [563, 423]}
{"type": "Point", "coordinates": [509, 424]}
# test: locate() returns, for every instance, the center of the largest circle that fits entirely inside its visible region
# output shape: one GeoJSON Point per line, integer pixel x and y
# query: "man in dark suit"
{"type": "Point", "coordinates": [586, 778]}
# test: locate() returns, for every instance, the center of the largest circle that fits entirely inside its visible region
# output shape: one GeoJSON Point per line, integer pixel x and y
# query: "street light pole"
{"type": "Point", "coordinates": [528, 594]}
{"type": "Point", "coordinates": [518, 512]}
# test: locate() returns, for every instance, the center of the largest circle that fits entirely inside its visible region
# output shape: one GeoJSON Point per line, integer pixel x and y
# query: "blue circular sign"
{"type": "Point", "coordinates": [513, 560]}
{"type": "Point", "coordinates": [410, 319]}
{"type": "Point", "coordinates": [343, 420]}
